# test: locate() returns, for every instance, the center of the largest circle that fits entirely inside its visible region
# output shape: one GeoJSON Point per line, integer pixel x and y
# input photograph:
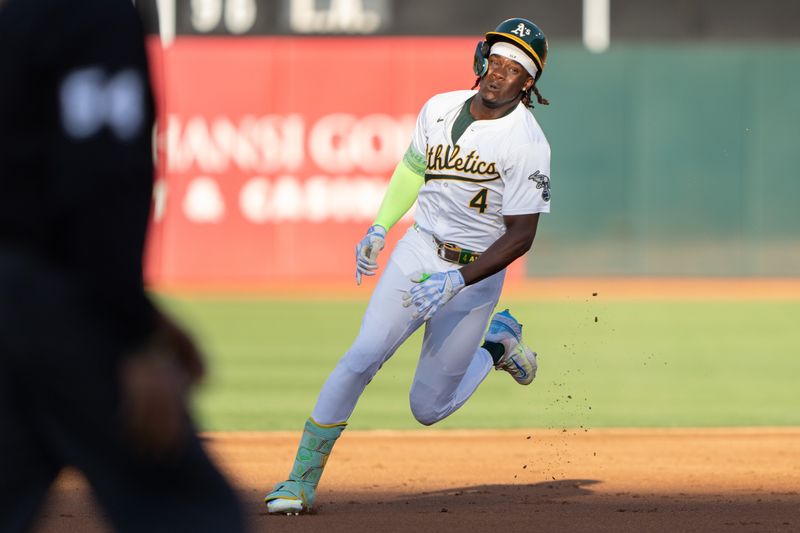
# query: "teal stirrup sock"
{"type": "Point", "coordinates": [315, 448]}
{"type": "Point", "coordinates": [312, 454]}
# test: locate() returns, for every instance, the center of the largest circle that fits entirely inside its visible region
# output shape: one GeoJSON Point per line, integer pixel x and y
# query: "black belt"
{"type": "Point", "coordinates": [454, 253]}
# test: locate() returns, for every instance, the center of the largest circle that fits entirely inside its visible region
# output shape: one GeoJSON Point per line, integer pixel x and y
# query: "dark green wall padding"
{"type": "Point", "coordinates": [672, 159]}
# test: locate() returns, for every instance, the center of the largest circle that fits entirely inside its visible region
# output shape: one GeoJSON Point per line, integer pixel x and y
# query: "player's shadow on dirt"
{"type": "Point", "coordinates": [489, 495]}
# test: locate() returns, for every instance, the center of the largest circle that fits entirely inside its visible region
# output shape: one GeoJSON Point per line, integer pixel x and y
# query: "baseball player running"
{"type": "Point", "coordinates": [478, 165]}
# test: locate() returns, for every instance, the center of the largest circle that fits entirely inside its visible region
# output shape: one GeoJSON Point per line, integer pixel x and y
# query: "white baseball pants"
{"type": "Point", "coordinates": [451, 364]}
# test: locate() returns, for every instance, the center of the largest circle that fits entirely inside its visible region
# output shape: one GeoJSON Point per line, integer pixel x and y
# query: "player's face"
{"type": "Point", "coordinates": [503, 82]}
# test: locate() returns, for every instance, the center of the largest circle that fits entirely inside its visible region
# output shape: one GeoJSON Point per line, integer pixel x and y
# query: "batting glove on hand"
{"type": "Point", "coordinates": [367, 252]}
{"type": "Point", "coordinates": [432, 291]}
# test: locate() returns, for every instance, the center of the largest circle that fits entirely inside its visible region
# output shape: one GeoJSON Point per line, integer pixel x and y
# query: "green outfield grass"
{"type": "Point", "coordinates": [639, 364]}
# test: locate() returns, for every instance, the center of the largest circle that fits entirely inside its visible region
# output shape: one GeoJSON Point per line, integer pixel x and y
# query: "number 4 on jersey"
{"type": "Point", "coordinates": [479, 201]}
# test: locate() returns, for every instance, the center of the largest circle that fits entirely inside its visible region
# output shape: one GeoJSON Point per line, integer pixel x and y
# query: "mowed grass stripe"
{"type": "Point", "coordinates": [602, 364]}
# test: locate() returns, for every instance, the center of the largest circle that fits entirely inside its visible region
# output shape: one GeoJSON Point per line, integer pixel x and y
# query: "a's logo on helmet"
{"type": "Point", "coordinates": [521, 30]}
{"type": "Point", "coordinates": [542, 182]}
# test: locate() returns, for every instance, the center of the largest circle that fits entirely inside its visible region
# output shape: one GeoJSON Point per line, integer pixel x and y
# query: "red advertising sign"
{"type": "Point", "coordinates": [275, 152]}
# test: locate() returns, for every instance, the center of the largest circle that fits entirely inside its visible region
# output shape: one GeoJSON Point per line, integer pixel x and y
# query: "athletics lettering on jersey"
{"type": "Point", "coordinates": [473, 183]}
{"type": "Point", "coordinates": [441, 158]}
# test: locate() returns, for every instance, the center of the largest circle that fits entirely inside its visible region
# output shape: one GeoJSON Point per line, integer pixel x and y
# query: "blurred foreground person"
{"type": "Point", "coordinates": [91, 373]}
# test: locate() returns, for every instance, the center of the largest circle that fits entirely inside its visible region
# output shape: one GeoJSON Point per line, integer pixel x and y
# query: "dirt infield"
{"type": "Point", "coordinates": [705, 480]}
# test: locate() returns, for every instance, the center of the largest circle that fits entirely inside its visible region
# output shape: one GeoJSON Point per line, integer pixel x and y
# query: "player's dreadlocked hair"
{"type": "Point", "coordinates": [526, 95]}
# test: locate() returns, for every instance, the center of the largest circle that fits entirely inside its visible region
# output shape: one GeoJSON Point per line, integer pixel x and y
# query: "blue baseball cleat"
{"type": "Point", "coordinates": [518, 360]}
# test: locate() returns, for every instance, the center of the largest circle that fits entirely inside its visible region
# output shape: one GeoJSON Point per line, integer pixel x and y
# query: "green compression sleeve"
{"type": "Point", "coordinates": [403, 189]}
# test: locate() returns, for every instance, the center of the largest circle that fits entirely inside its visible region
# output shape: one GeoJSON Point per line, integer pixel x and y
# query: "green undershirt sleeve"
{"type": "Point", "coordinates": [408, 177]}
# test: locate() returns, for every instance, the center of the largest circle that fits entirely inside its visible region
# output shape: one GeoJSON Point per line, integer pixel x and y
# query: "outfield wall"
{"type": "Point", "coordinates": [673, 160]}
{"type": "Point", "coordinates": [667, 159]}
{"type": "Point", "coordinates": [275, 152]}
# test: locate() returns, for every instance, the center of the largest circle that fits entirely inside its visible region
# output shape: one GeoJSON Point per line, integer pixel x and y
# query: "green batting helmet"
{"type": "Point", "coordinates": [520, 32]}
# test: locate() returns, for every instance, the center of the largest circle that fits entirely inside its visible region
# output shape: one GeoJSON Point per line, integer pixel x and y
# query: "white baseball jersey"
{"type": "Point", "coordinates": [497, 167]}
